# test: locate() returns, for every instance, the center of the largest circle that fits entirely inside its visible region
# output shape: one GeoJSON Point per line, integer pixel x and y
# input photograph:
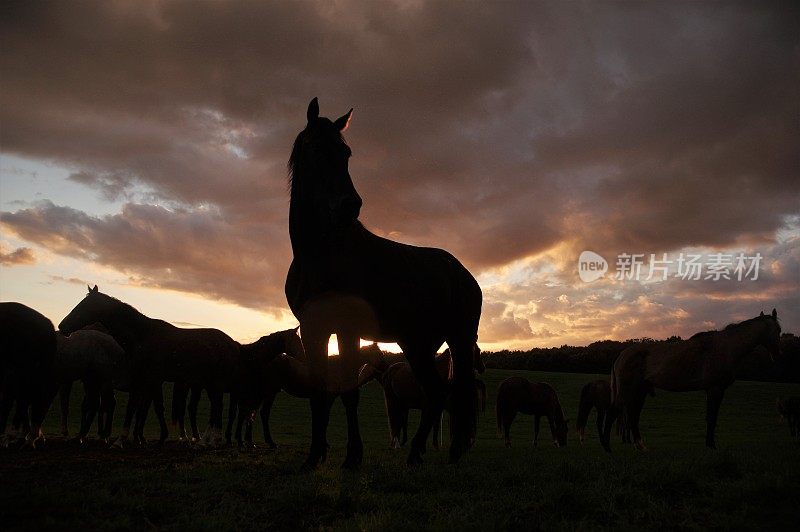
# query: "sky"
{"type": "Point", "coordinates": [143, 148]}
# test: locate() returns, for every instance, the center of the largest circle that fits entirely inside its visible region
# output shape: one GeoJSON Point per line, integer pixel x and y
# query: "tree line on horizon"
{"type": "Point", "coordinates": [599, 357]}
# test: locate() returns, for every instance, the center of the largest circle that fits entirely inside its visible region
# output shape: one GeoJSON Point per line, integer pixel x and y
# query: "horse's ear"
{"type": "Point", "coordinates": [95, 289]}
{"type": "Point", "coordinates": [89, 289]}
{"type": "Point", "coordinates": [343, 122]}
{"type": "Point", "coordinates": [313, 110]}
{"type": "Point", "coordinates": [762, 313]}
{"type": "Point", "coordinates": [774, 313]}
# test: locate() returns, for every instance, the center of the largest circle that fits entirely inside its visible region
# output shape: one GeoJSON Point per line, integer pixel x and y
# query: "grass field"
{"type": "Point", "coordinates": [752, 481]}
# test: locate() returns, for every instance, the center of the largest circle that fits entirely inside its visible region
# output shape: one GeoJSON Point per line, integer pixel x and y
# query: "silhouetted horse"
{"type": "Point", "coordinates": [706, 361]}
{"type": "Point", "coordinates": [96, 359]}
{"type": "Point", "coordinates": [27, 350]}
{"type": "Point", "coordinates": [268, 374]}
{"type": "Point", "coordinates": [402, 392]}
{"type": "Point", "coordinates": [161, 352]}
{"type": "Point", "coordinates": [789, 410]}
{"type": "Point", "coordinates": [345, 280]}
{"type": "Point", "coordinates": [517, 394]}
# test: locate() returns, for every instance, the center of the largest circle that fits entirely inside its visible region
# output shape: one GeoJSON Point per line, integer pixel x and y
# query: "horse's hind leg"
{"type": "Point", "coordinates": [355, 447]}
{"type": "Point", "coordinates": [536, 420]}
{"type": "Point", "coordinates": [632, 416]}
{"type": "Point", "coordinates": [437, 431]}
{"type": "Point", "coordinates": [713, 402]}
{"type": "Point", "coordinates": [179, 392]}
{"type": "Point", "coordinates": [612, 414]}
{"type": "Point", "coordinates": [463, 396]}
{"type": "Point", "coordinates": [424, 368]}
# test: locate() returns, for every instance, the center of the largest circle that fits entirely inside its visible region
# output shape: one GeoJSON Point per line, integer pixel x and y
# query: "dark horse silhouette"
{"type": "Point", "coordinates": [161, 352]}
{"type": "Point", "coordinates": [706, 361]}
{"type": "Point", "coordinates": [27, 351]}
{"type": "Point", "coordinates": [597, 395]}
{"type": "Point", "coordinates": [537, 399]}
{"type": "Point", "coordinates": [345, 280]}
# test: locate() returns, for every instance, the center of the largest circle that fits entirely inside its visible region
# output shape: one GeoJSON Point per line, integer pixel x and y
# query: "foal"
{"type": "Point", "coordinates": [517, 394]}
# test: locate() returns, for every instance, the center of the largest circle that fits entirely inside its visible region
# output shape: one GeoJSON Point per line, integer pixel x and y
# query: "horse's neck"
{"type": "Point", "coordinates": [128, 325]}
{"type": "Point", "coordinates": [743, 339]}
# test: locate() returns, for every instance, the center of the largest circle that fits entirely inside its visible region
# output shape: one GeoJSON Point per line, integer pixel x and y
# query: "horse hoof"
{"type": "Point", "coordinates": [270, 446]}
{"type": "Point", "coordinates": [120, 443]}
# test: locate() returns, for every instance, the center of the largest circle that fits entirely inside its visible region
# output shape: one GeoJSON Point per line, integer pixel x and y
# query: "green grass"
{"type": "Point", "coordinates": [752, 481]}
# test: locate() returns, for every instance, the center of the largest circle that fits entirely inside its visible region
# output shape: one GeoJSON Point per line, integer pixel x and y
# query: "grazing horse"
{"type": "Point", "coordinates": [518, 394]}
{"type": "Point", "coordinates": [346, 280]}
{"type": "Point", "coordinates": [161, 352]}
{"type": "Point", "coordinates": [27, 350]}
{"type": "Point", "coordinates": [789, 410]}
{"type": "Point", "coordinates": [706, 361]}
{"type": "Point", "coordinates": [97, 360]}
{"type": "Point", "coordinates": [268, 374]}
{"type": "Point", "coordinates": [402, 392]}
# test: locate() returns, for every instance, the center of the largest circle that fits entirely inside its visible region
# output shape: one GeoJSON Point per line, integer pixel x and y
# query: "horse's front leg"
{"type": "Point", "coordinates": [130, 410]}
{"type": "Point", "coordinates": [536, 420]}
{"type": "Point", "coordinates": [233, 407]}
{"type": "Point", "coordinates": [355, 446]}
{"type": "Point", "coordinates": [321, 403]}
{"type": "Point", "coordinates": [91, 402]}
{"type": "Point", "coordinates": [194, 402]}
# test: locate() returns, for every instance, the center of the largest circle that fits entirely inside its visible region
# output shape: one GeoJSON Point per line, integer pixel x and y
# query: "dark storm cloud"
{"type": "Point", "coordinates": [496, 130]}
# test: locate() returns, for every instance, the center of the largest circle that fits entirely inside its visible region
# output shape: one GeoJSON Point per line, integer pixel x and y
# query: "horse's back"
{"type": "Point", "coordinates": [26, 336]}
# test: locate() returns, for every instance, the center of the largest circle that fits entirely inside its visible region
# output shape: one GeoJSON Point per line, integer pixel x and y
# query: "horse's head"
{"type": "Point", "coordinates": [266, 348]}
{"type": "Point", "coordinates": [319, 170]}
{"type": "Point", "coordinates": [771, 336]}
{"type": "Point", "coordinates": [93, 308]}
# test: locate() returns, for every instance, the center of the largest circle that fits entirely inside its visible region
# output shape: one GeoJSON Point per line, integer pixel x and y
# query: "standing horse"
{"type": "Point", "coordinates": [346, 280]}
{"type": "Point", "coordinates": [706, 361]}
{"type": "Point", "coordinates": [537, 399]}
{"type": "Point", "coordinates": [161, 352]}
{"type": "Point", "coordinates": [27, 350]}
{"type": "Point", "coordinates": [97, 360]}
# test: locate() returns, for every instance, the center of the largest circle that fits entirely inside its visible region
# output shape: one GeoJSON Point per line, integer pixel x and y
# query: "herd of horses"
{"type": "Point", "coordinates": [109, 346]}
{"type": "Point", "coordinates": [347, 281]}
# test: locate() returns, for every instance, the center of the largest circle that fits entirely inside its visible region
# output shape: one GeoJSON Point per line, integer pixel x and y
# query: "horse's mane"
{"type": "Point", "coordinates": [124, 307]}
